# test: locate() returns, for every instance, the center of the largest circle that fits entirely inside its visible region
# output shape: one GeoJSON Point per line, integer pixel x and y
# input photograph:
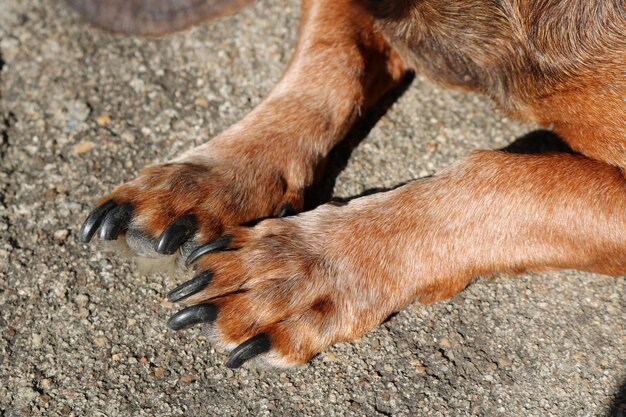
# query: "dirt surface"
{"type": "Point", "coordinates": [83, 333]}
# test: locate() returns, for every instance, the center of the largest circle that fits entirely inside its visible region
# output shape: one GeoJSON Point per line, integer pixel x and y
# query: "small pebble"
{"type": "Point", "coordinates": [160, 372]}
{"type": "Point", "coordinates": [100, 341]}
{"type": "Point", "coordinates": [81, 300]}
{"type": "Point", "coordinates": [201, 102]}
{"type": "Point", "coordinates": [61, 235]}
{"type": "Point", "coordinates": [37, 339]}
{"type": "Point", "coordinates": [444, 342]}
{"type": "Point", "coordinates": [128, 136]}
{"type": "Point", "coordinates": [103, 120]}
{"type": "Point", "coordinates": [84, 147]}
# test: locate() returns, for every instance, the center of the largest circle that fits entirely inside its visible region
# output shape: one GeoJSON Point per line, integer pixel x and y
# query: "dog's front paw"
{"type": "Point", "coordinates": [284, 290]}
{"type": "Point", "coordinates": [173, 206]}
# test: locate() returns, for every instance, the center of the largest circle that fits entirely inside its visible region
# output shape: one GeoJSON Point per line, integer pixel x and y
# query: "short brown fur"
{"type": "Point", "coordinates": [335, 272]}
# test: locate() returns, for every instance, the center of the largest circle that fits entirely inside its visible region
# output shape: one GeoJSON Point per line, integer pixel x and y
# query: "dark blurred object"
{"type": "Point", "coordinates": [618, 408]}
{"type": "Point", "coordinates": [153, 17]}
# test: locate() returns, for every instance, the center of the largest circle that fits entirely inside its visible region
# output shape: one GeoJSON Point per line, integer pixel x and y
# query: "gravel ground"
{"type": "Point", "coordinates": [83, 332]}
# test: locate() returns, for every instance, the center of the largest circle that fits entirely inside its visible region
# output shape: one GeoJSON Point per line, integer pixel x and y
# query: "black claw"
{"type": "Point", "coordinates": [176, 233]}
{"type": "Point", "coordinates": [287, 210]}
{"type": "Point", "coordinates": [89, 227]}
{"type": "Point", "coordinates": [194, 285]}
{"type": "Point", "coordinates": [200, 313]}
{"type": "Point", "coordinates": [249, 349]}
{"type": "Point", "coordinates": [116, 221]}
{"type": "Point", "coordinates": [217, 244]}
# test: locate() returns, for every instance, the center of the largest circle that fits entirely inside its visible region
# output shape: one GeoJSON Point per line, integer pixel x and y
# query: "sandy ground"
{"type": "Point", "coordinates": [83, 332]}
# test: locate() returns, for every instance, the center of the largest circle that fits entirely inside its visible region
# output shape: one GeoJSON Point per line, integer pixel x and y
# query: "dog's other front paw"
{"type": "Point", "coordinates": [287, 288]}
{"type": "Point", "coordinates": [180, 204]}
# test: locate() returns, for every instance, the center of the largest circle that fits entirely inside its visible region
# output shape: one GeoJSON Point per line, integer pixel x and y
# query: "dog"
{"type": "Point", "coordinates": [282, 290]}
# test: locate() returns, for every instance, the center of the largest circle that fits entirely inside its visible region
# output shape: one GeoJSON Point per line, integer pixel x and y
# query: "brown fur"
{"type": "Point", "coordinates": [335, 272]}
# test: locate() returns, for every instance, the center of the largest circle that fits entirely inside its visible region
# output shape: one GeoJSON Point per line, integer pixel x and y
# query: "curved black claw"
{"type": "Point", "coordinates": [217, 244]}
{"type": "Point", "coordinates": [176, 233]}
{"type": "Point", "coordinates": [287, 210]}
{"type": "Point", "coordinates": [252, 347]}
{"type": "Point", "coordinates": [115, 221]}
{"type": "Point", "coordinates": [89, 227]}
{"type": "Point", "coordinates": [200, 313]}
{"type": "Point", "coordinates": [194, 285]}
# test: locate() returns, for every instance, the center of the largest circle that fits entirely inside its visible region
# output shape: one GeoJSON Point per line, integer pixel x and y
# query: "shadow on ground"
{"type": "Point", "coordinates": [618, 408]}
{"type": "Point", "coordinates": [322, 191]}
{"type": "Point", "coordinates": [535, 142]}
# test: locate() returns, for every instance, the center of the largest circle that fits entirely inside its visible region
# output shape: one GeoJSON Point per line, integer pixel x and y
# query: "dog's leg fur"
{"type": "Point", "coordinates": [261, 166]}
{"type": "Point", "coordinates": [335, 272]}
{"type": "Point", "coordinates": [290, 287]}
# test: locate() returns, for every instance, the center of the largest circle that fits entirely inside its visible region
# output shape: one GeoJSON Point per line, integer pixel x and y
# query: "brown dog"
{"type": "Point", "coordinates": [286, 288]}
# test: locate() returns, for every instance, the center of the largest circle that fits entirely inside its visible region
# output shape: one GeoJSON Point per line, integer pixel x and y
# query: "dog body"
{"type": "Point", "coordinates": [560, 64]}
{"type": "Point", "coordinates": [289, 287]}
